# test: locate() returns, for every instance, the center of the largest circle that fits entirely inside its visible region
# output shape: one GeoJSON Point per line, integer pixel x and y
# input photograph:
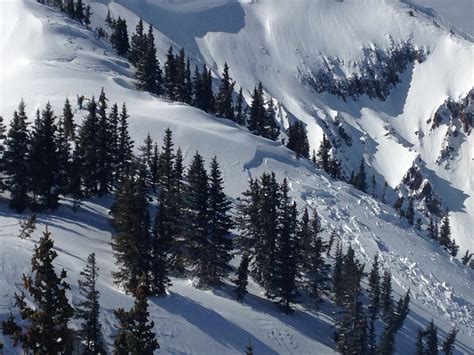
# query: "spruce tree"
{"type": "Point", "coordinates": [431, 339]}
{"type": "Point", "coordinates": [68, 120]}
{"type": "Point", "coordinates": [239, 116]}
{"type": "Point", "coordinates": [16, 159]}
{"type": "Point", "coordinates": [131, 241]}
{"type": "Point", "coordinates": [119, 36]}
{"type": "Point", "coordinates": [337, 276]}
{"type": "Point", "coordinates": [196, 199]}
{"type": "Point", "coordinates": [180, 61]}
{"type": "Point", "coordinates": [242, 277]}
{"type": "Point", "coordinates": [88, 310]}
{"type": "Point", "coordinates": [148, 71]}
{"type": "Point", "coordinates": [270, 127]}
{"type": "Point", "coordinates": [135, 330]}
{"type": "Point", "coordinates": [283, 284]}
{"type": "Point", "coordinates": [105, 145]}
{"type": "Point", "coordinates": [63, 153]}
{"type": "Point", "coordinates": [323, 154]}
{"type": "Point", "coordinates": [448, 343]}
{"type": "Point", "coordinates": [124, 146]}
{"type": "Point", "coordinates": [3, 136]}
{"type": "Point", "coordinates": [445, 236]}
{"type": "Point", "coordinates": [138, 42]}
{"type": "Point", "coordinates": [386, 300]}
{"type": "Point", "coordinates": [256, 120]}
{"type": "Point", "coordinates": [113, 139]}
{"type": "Point", "coordinates": [360, 180]}
{"type": "Point", "coordinates": [46, 313]}
{"type": "Point", "coordinates": [352, 271]}
{"type": "Point", "coordinates": [298, 140]}
{"type": "Point", "coordinates": [220, 223]}
{"type": "Point", "coordinates": [410, 214]}
{"type": "Point", "coordinates": [420, 349]}
{"type": "Point", "coordinates": [374, 289]}
{"type": "Point", "coordinates": [79, 11]}
{"type": "Point", "coordinates": [224, 102]}
{"type": "Point", "coordinates": [170, 79]}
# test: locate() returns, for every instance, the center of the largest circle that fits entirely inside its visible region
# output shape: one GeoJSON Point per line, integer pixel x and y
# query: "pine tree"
{"type": "Point", "coordinates": [374, 289]}
{"type": "Point", "coordinates": [124, 146]}
{"type": "Point", "coordinates": [119, 36]}
{"type": "Point", "coordinates": [2, 152]}
{"type": "Point", "coordinates": [170, 79]}
{"type": "Point", "coordinates": [360, 180]}
{"type": "Point", "coordinates": [113, 139]}
{"type": "Point", "coordinates": [68, 120]}
{"type": "Point", "coordinates": [287, 253]}
{"type": "Point", "coordinates": [337, 276]}
{"type": "Point", "coordinates": [197, 88]}
{"type": "Point", "coordinates": [135, 330]}
{"type": "Point", "coordinates": [69, 8]}
{"type": "Point", "coordinates": [467, 257]}
{"type": "Point", "coordinates": [44, 329]}
{"type": "Point", "coordinates": [256, 120]}
{"type": "Point", "coordinates": [16, 158]}
{"type": "Point", "coordinates": [384, 192]}
{"type": "Point", "coordinates": [386, 300]}
{"type": "Point", "coordinates": [87, 147]}
{"type": "Point", "coordinates": [138, 42]}
{"type": "Point", "coordinates": [63, 153]}
{"type": "Point", "coordinates": [224, 103]}
{"type": "Point", "coordinates": [352, 273]}
{"type": "Point", "coordinates": [298, 140]}
{"type": "Point", "coordinates": [448, 343]}
{"type": "Point", "coordinates": [88, 310]}
{"type": "Point", "coordinates": [420, 350]}
{"type": "Point", "coordinates": [445, 236]}
{"type": "Point", "coordinates": [242, 277]}
{"type": "Point", "coordinates": [332, 236]}
{"type": "Point", "coordinates": [373, 184]}
{"type": "Point", "coordinates": [323, 154]}
{"type": "Point", "coordinates": [196, 198]}
{"type": "Point", "coordinates": [148, 71]}
{"type": "Point", "coordinates": [239, 116]}
{"type": "Point", "coordinates": [79, 11]}
{"type": "Point", "coordinates": [87, 16]}
{"type": "Point", "coordinates": [316, 268]}
{"type": "Point", "coordinates": [131, 241]}
{"type": "Point", "coordinates": [270, 127]}
{"type": "Point", "coordinates": [180, 61]}
{"type": "Point", "coordinates": [75, 180]}
{"type": "Point", "coordinates": [105, 151]}
{"type": "Point", "coordinates": [220, 223]}
{"type": "Point", "coordinates": [431, 339]}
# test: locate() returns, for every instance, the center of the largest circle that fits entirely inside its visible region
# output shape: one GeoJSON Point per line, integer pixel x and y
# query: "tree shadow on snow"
{"type": "Point", "coordinates": [210, 322]}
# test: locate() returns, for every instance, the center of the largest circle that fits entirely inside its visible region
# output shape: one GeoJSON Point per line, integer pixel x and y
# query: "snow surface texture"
{"type": "Point", "coordinates": [45, 57]}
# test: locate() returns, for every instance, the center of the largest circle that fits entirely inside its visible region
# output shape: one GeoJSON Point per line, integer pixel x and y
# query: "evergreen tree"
{"type": "Point", "coordinates": [87, 147]}
{"type": "Point", "coordinates": [148, 71]}
{"type": "Point", "coordinates": [113, 139]}
{"type": "Point", "coordinates": [75, 180]}
{"type": "Point", "coordinates": [298, 140]}
{"type": "Point", "coordinates": [16, 159]}
{"type": "Point", "coordinates": [138, 43]}
{"type": "Point", "coordinates": [317, 269]}
{"type": "Point", "coordinates": [323, 154]}
{"type": "Point", "coordinates": [256, 120]}
{"type": "Point", "coordinates": [384, 192]}
{"type": "Point", "coordinates": [386, 300]}
{"type": "Point", "coordinates": [287, 253]}
{"type": "Point", "coordinates": [373, 184]}
{"type": "Point", "coordinates": [224, 103]}
{"type": "Point", "coordinates": [131, 241]}
{"type": "Point", "coordinates": [374, 289]}
{"type": "Point", "coordinates": [105, 151]}
{"type": "Point", "coordinates": [197, 88]}
{"type": "Point", "coordinates": [196, 197]}
{"type": "Point", "coordinates": [180, 61]}
{"type": "Point", "coordinates": [79, 11]}
{"type": "Point", "coordinates": [239, 115]}
{"type": "Point", "coordinates": [135, 330]}
{"type": "Point", "coordinates": [119, 36]}
{"type": "Point", "coordinates": [249, 349]}
{"type": "Point", "coordinates": [467, 257]}
{"type": "Point", "coordinates": [431, 339]}
{"type": "Point", "coordinates": [270, 127]}
{"type": "Point", "coordinates": [69, 8]}
{"type": "Point", "coordinates": [448, 343]}
{"type": "Point", "coordinates": [445, 236]}
{"type": "Point", "coordinates": [46, 313]}
{"type": "Point", "coordinates": [124, 146]}
{"type": "Point", "coordinates": [242, 277]}
{"type": "Point", "coordinates": [63, 154]}
{"type": "Point", "coordinates": [88, 310]}
{"type": "Point", "coordinates": [352, 273]}
{"type": "Point", "coordinates": [87, 16]}
{"type": "Point", "coordinates": [220, 223]}
{"type": "Point", "coordinates": [3, 136]}
{"type": "Point", "coordinates": [337, 276]}
{"type": "Point", "coordinates": [68, 120]}
{"type": "Point", "coordinates": [170, 80]}
{"type": "Point", "coordinates": [420, 350]}
{"type": "Point", "coordinates": [360, 180]}
{"type": "Point", "coordinates": [207, 95]}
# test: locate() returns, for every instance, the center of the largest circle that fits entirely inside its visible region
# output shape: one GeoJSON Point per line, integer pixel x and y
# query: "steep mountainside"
{"type": "Point", "coordinates": [45, 56]}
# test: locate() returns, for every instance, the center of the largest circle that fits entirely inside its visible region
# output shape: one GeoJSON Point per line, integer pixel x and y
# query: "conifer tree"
{"type": "Point", "coordinates": [63, 154]}
{"type": "Point", "coordinates": [79, 11]}
{"type": "Point", "coordinates": [105, 151]}
{"type": "Point", "coordinates": [68, 120]}
{"type": "Point", "coordinates": [373, 184]}
{"type": "Point", "coordinates": [220, 223]}
{"type": "Point", "coordinates": [374, 289]}
{"type": "Point", "coordinates": [87, 16]}
{"type": "Point", "coordinates": [420, 349]}
{"type": "Point", "coordinates": [135, 330]}
{"type": "Point", "coordinates": [196, 198]}
{"type": "Point", "coordinates": [148, 73]}
{"type": "Point", "coordinates": [131, 241]}
{"type": "Point", "coordinates": [138, 43]}
{"type": "Point", "coordinates": [207, 95]}
{"type": "Point", "coordinates": [249, 349]}
{"type": "Point", "coordinates": [384, 192]}
{"type": "Point", "coordinates": [270, 127]}
{"type": "Point", "coordinates": [352, 272]}
{"type": "Point", "coordinates": [337, 276]}
{"type": "Point", "coordinates": [360, 180]}
{"type": "Point", "coordinates": [69, 8]}
{"type": "Point", "coordinates": [197, 88]}
{"type": "Point", "coordinates": [386, 300]}
{"type": "Point", "coordinates": [445, 236]}
{"type": "Point", "coordinates": [124, 146]}
{"type": "Point", "coordinates": [242, 277]}
{"type": "Point", "coordinates": [323, 154]}
{"type": "Point", "coordinates": [113, 139]}
{"type": "Point", "coordinates": [224, 102]}
{"type": "Point", "coordinates": [88, 310]}
{"type": "Point", "coordinates": [170, 79]}
{"type": "Point", "coordinates": [180, 61]}
{"type": "Point", "coordinates": [283, 284]}
{"type": "Point", "coordinates": [298, 140]}
{"type": "Point", "coordinates": [75, 180]}
{"type": "Point", "coordinates": [448, 343]}
{"type": "Point", "coordinates": [431, 334]}
{"type": "Point", "coordinates": [47, 312]}
{"type": "Point", "coordinates": [256, 120]}
{"type": "Point", "coordinates": [3, 136]}
{"type": "Point", "coordinates": [239, 115]}
{"type": "Point", "coordinates": [119, 36]}
{"type": "Point", "coordinates": [16, 158]}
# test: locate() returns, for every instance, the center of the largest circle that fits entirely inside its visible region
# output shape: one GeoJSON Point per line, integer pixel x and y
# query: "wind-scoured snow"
{"type": "Point", "coordinates": [45, 56]}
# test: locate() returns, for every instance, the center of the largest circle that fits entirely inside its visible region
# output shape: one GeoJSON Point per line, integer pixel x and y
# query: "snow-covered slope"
{"type": "Point", "coordinates": [276, 42]}
{"type": "Point", "coordinates": [46, 57]}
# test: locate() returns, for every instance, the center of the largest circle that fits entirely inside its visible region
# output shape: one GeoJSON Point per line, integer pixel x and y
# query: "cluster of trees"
{"type": "Point", "coordinates": [74, 9]}
{"type": "Point", "coordinates": [55, 157]}
{"type": "Point", "coordinates": [46, 313]}
{"type": "Point", "coordinates": [326, 159]}
{"type": "Point", "coordinates": [427, 341]}
{"type": "Point", "coordinates": [442, 235]}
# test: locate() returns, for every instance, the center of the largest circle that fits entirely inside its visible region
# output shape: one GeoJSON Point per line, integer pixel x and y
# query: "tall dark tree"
{"type": "Point", "coordinates": [148, 71]}
{"type": "Point", "coordinates": [224, 102]}
{"type": "Point", "coordinates": [287, 252]}
{"type": "Point", "coordinates": [16, 159]}
{"type": "Point", "coordinates": [3, 136]}
{"type": "Point", "coordinates": [298, 140]}
{"type": "Point", "coordinates": [445, 239]}
{"type": "Point", "coordinates": [386, 299]}
{"type": "Point", "coordinates": [242, 277]}
{"type": "Point", "coordinates": [79, 14]}
{"type": "Point", "coordinates": [360, 179]}
{"type": "Point", "coordinates": [124, 146]}
{"type": "Point", "coordinates": [119, 36]}
{"type": "Point", "coordinates": [448, 343]}
{"type": "Point", "coordinates": [337, 276]}
{"type": "Point", "coordinates": [88, 310]}
{"type": "Point", "coordinates": [135, 330]}
{"type": "Point", "coordinates": [256, 120]}
{"type": "Point", "coordinates": [220, 223]}
{"type": "Point", "coordinates": [270, 127]}
{"type": "Point", "coordinates": [410, 214]}
{"type": "Point", "coordinates": [323, 154]}
{"type": "Point", "coordinates": [105, 151]}
{"type": "Point", "coordinates": [170, 79]}
{"type": "Point", "coordinates": [239, 115]}
{"type": "Point", "coordinates": [131, 241]}
{"type": "Point", "coordinates": [46, 313]}
{"type": "Point", "coordinates": [374, 289]}
{"type": "Point", "coordinates": [138, 43]}
{"type": "Point", "coordinates": [431, 334]}
{"type": "Point", "coordinates": [68, 120]}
